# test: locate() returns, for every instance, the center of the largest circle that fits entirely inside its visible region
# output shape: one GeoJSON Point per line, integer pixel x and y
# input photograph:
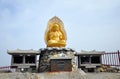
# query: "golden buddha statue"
{"type": "Point", "coordinates": [55, 35]}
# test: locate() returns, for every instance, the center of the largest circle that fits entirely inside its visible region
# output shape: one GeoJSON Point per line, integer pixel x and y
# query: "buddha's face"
{"type": "Point", "coordinates": [55, 27]}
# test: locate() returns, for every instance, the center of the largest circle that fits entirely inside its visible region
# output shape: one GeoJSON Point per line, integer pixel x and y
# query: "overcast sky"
{"type": "Point", "coordinates": [90, 24]}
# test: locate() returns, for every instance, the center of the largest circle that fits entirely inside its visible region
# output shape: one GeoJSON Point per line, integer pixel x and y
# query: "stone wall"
{"type": "Point", "coordinates": [53, 52]}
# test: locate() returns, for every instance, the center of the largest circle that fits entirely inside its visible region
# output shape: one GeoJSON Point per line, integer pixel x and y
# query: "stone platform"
{"type": "Point", "coordinates": [46, 54]}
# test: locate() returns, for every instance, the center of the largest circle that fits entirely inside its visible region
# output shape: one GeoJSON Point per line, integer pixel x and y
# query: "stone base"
{"type": "Point", "coordinates": [57, 53]}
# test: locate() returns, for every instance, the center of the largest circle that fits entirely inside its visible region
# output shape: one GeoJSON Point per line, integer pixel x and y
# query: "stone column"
{"type": "Point", "coordinates": [12, 59]}
{"type": "Point", "coordinates": [90, 59]}
{"type": "Point", "coordinates": [23, 59]}
{"type": "Point", "coordinates": [79, 61]}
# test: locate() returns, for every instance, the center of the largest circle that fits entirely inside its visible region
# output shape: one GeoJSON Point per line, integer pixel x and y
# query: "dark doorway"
{"type": "Point", "coordinates": [17, 59]}
{"type": "Point", "coordinates": [29, 59]}
{"type": "Point", "coordinates": [95, 59]}
{"type": "Point", "coordinates": [85, 59]}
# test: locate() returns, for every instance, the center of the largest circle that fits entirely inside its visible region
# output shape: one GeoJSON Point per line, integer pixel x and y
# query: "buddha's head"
{"type": "Point", "coordinates": [55, 27]}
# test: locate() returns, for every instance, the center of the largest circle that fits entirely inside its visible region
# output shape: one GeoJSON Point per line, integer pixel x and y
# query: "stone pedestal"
{"type": "Point", "coordinates": [46, 54]}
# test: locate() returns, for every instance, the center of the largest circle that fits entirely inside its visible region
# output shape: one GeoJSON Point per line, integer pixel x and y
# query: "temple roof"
{"type": "Point", "coordinates": [19, 51]}
{"type": "Point", "coordinates": [93, 52]}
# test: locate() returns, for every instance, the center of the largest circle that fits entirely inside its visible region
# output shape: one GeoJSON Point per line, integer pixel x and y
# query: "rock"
{"type": "Point", "coordinates": [54, 52]}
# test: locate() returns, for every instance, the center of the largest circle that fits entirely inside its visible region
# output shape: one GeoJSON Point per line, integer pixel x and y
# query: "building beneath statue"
{"type": "Point", "coordinates": [23, 60]}
{"type": "Point", "coordinates": [89, 61]}
{"type": "Point", "coordinates": [55, 59]}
